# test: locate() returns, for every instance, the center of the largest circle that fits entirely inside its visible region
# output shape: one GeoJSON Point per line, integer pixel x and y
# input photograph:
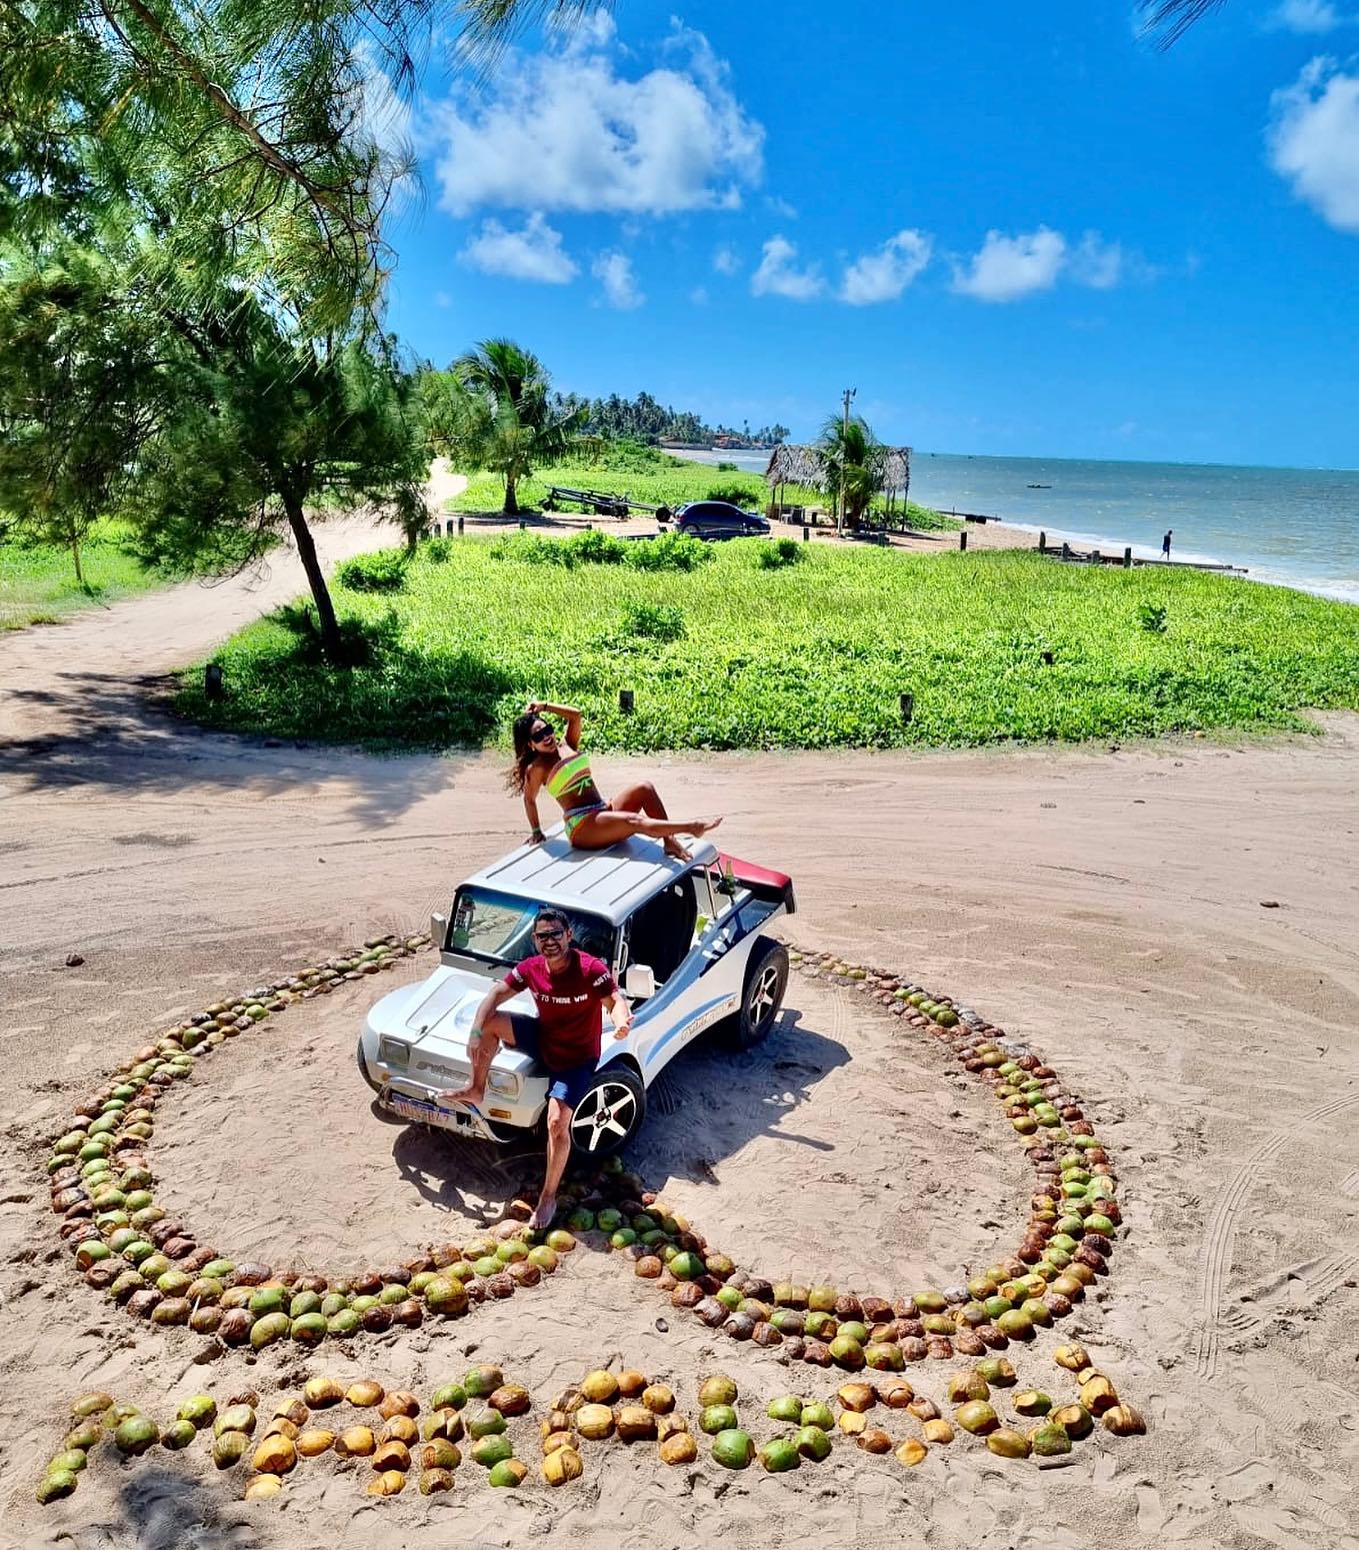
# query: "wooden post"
{"type": "Point", "coordinates": [907, 705]}
{"type": "Point", "coordinates": [460, 522]}
{"type": "Point", "coordinates": [522, 524]}
{"type": "Point", "coordinates": [806, 534]}
{"type": "Point", "coordinates": [1127, 558]}
{"type": "Point", "coordinates": [213, 686]}
{"type": "Point", "coordinates": [1096, 558]}
{"type": "Point", "coordinates": [1042, 543]}
{"type": "Point", "coordinates": [962, 539]}
{"type": "Point", "coordinates": [625, 701]}
{"type": "Point", "coordinates": [1066, 551]}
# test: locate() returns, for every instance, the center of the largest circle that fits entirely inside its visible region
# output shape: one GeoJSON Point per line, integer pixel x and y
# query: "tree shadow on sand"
{"type": "Point", "coordinates": [161, 1508]}
{"type": "Point", "coordinates": [690, 1125]}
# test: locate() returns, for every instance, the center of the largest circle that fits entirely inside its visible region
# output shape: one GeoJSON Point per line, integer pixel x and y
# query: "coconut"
{"type": "Point", "coordinates": [635, 1423]}
{"type": "Point", "coordinates": [1074, 1358]}
{"type": "Point", "coordinates": [1123, 1420]}
{"type": "Point", "coordinates": [874, 1440]}
{"type": "Point", "coordinates": [659, 1399]}
{"type": "Point", "coordinates": [439, 1453]}
{"type": "Point", "coordinates": [561, 1466]}
{"type": "Point", "coordinates": [780, 1455]}
{"type": "Point", "coordinates": [1049, 1440]}
{"type": "Point", "coordinates": [432, 1481]}
{"type": "Point", "coordinates": [314, 1442]}
{"type": "Point", "coordinates": [977, 1417]}
{"type": "Point", "coordinates": [1031, 1402]}
{"type": "Point", "coordinates": [229, 1449]}
{"type": "Point", "coordinates": [389, 1483]}
{"type": "Point", "coordinates": [787, 1408]}
{"type": "Point", "coordinates": [400, 1429]}
{"type": "Point", "coordinates": [449, 1396]}
{"type": "Point", "coordinates": [135, 1435]}
{"type": "Point", "coordinates": [355, 1442]}
{"type": "Point", "coordinates": [392, 1455]}
{"type": "Point", "coordinates": [1097, 1393]}
{"type": "Point", "coordinates": [444, 1423]}
{"type": "Point", "coordinates": [594, 1421]}
{"type": "Point", "coordinates": [678, 1448]}
{"type": "Point", "coordinates": [733, 1448]}
{"type": "Point", "coordinates": [1008, 1444]}
{"type": "Point", "coordinates": [275, 1455]}
{"type": "Point", "coordinates": [398, 1402]}
{"type": "Point", "coordinates": [856, 1396]}
{"type": "Point", "coordinates": [554, 1440]}
{"type": "Point", "coordinates": [320, 1393]}
{"type": "Point", "coordinates": [490, 1451]}
{"type": "Point", "coordinates": [490, 1423]}
{"type": "Point", "coordinates": [92, 1404]}
{"type": "Point", "coordinates": [481, 1381]}
{"type": "Point", "coordinates": [963, 1386]}
{"type": "Point", "coordinates": [55, 1484]}
{"type": "Point", "coordinates": [364, 1393]}
{"type": "Point", "coordinates": [911, 1452]}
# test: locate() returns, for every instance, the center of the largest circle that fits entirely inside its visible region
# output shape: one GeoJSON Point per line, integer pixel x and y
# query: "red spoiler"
{"type": "Point", "coordinates": [761, 881]}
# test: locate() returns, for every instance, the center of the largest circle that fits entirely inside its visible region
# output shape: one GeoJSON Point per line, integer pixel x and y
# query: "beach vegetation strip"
{"type": "Point", "coordinates": [38, 581]}
{"type": "Point", "coordinates": [816, 653]}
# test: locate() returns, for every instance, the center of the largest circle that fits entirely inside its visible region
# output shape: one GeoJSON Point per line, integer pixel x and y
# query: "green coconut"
{"type": "Point", "coordinates": [490, 1423]}
{"type": "Point", "coordinates": [270, 1329]}
{"type": "Point", "coordinates": [452, 1396]}
{"type": "Point", "coordinates": [179, 1434]}
{"type": "Point", "coordinates": [787, 1408]}
{"type": "Point", "coordinates": [199, 1409]}
{"type": "Point", "coordinates": [268, 1299]}
{"type": "Point", "coordinates": [812, 1442]}
{"type": "Point", "coordinates": [310, 1329]}
{"type": "Point", "coordinates": [687, 1266]}
{"type": "Point", "coordinates": [304, 1302]}
{"type": "Point", "coordinates": [69, 1458]}
{"type": "Point", "coordinates": [781, 1454]}
{"type": "Point", "coordinates": [733, 1448]}
{"type": "Point", "coordinates": [818, 1415]}
{"type": "Point", "coordinates": [235, 1418]}
{"type": "Point", "coordinates": [508, 1472]}
{"type": "Point", "coordinates": [228, 1449]}
{"type": "Point", "coordinates": [713, 1419]}
{"type": "Point", "coordinates": [136, 1434]}
{"type": "Point", "coordinates": [53, 1486]}
{"type": "Point", "coordinates": [490, 1451]}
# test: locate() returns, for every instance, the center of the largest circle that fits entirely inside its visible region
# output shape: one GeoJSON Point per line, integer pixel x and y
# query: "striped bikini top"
{"type": "Point", "coordinates": [570, 778]}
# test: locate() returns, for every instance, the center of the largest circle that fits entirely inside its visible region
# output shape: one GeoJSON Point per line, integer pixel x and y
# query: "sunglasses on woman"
{"type": "Point", "coordinates": [542, 733]}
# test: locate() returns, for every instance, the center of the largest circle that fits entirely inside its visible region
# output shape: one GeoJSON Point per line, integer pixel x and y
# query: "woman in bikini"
{"type": "Point", "coordinates": [543, 762]}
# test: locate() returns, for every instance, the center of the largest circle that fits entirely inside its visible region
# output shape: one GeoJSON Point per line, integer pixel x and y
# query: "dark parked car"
{"type": "Point", "coordinates": [718, 519]}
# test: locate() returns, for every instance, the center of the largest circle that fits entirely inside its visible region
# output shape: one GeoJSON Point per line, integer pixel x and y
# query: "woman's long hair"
{"type": "Point", "coordinates": [524, 752]}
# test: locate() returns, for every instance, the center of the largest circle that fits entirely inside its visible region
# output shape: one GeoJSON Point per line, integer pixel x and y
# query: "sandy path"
{"type": "Point", "coordinates": [1106, 905]}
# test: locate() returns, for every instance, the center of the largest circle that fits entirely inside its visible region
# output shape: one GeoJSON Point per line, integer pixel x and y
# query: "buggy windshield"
{"type": "Point", "coordinates": [498, 928]}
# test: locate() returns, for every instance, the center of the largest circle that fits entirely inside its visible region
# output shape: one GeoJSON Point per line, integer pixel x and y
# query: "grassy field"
{"type": "Point", "coordinates": [742, 651]}
{"type": "Point", "coordinates": [38, 585]}
{"type": "Point", "coordinates": [648, 475]}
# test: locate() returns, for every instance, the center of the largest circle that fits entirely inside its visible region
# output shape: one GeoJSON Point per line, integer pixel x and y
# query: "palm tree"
{"type": "Point", "coordinates": [1171, 19]}
{"type": "Point", "coordinates": [503, 416]}
{"type": "Point", "coordinates": [854, 463]}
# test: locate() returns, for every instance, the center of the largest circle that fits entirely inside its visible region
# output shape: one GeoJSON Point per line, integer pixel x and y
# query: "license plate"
{"type": "Point", "coordinates": [426, 1113]}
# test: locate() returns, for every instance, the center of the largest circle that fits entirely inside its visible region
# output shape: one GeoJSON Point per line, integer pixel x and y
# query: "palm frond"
{"type": "Point", "coordinates": [1169, 20]}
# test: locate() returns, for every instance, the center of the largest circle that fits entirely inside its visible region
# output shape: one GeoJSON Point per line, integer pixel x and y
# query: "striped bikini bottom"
{"type": "Point", "coordinates": [577, 815]}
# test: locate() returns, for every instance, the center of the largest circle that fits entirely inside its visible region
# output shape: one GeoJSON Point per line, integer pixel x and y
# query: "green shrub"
{"type": "Point", "coordinates": [437, 551]}
{"type": "Point", "coordinates": [728, 468]}
{"type": "Point", "coordinates": [653, 621]}
{"type": "Point", "coordinates": [593, 547]}
{"type": "Point", "coordinates": [741, 495]}
{"type": "Point", "coordinates": [384, 571]}
{"type": "Point", "coordinates": [1152, 617]}
{"type": "Point", "coordinates": [363, 640]}
{"type": "Point", "coordinates": [781, 552]}
{"type": "Point", "coordinates": [669, 551]}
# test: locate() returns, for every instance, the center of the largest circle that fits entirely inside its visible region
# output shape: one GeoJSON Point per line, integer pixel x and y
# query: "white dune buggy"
{"type": "Point", "coordinates": [684, 941]}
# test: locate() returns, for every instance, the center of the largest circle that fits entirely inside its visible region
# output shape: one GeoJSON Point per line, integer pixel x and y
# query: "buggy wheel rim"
{"type": "Point", "coordinates": [606, 1110]}
{"type": "Point", "coordinates": [763, 1000]}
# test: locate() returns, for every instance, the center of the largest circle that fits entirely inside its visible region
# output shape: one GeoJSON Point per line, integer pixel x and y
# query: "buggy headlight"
{"type": "Point", "coordinates": [393, 1052]}
{"type": "Point", "coordinates": [503, 1082]}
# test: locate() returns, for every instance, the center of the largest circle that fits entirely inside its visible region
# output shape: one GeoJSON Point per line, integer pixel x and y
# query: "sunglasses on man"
{"type": "Point", "coordinates": [549, 935]}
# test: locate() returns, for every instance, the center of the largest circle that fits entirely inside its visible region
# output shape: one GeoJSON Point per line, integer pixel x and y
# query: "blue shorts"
{"type": "Point", "coordinates": [570, 1085]}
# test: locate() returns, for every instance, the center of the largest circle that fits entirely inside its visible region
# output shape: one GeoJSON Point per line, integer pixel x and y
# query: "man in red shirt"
{"type": "Point", "coordinates": [568, 988]}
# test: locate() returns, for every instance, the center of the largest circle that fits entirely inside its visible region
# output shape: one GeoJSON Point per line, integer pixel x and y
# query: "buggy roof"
{"type": "Point", "coordinates": [608, 883]}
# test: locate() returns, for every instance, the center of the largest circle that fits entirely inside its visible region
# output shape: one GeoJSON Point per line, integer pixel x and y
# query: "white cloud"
{"type": "Point", "coordinates": [1314, 141]}
{"type": "Point", "coordinates": [726, 261]}
{"type": "Point", "coordinates": [777, 275]}
{"type": "Point", "coordinates": [614, 273]}
{"type": "Point", "coordinates": [699, 296]}
{"type": "Point", "coordinates": [567, 130]}
{"type": "Point", "coordinates": [1099, 264]}
{"type": "Point", "coordinates": [1007, 268]}
{"type": "Point", "coordinates": [442, 299]}
{"type": "Point", "coordinates": [885, 274]}
{"type": "Point", "coordinates": [1307, 16]}
{"type": "Point", "coordinates": [534, 252]}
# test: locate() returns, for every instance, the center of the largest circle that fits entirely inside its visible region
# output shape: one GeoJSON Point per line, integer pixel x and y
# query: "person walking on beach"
{"type": "Point", "coordinates": [1165, 543]}
{"type": "Point", "coordinates": [542, 762]}
{"type": "Point", "coordinates": [569, 988]}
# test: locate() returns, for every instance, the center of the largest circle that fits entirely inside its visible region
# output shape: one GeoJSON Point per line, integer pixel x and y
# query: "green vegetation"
{"type": "Point", "coordinates": [38, 585]}
{"type": "Point", "coordinates": [815, 653]}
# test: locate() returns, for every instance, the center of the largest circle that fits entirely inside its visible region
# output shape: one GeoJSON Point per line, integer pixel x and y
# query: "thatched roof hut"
{"type": "Point", "coordinates": [806, 465]}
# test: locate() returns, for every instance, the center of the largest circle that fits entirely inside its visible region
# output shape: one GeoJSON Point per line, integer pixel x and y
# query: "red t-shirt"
{"type": "Point", "coordinates": [568, 1006]}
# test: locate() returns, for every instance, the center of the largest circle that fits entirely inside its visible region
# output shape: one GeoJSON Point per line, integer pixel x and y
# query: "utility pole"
{"type": "Point", "coordinates": [840, 515]}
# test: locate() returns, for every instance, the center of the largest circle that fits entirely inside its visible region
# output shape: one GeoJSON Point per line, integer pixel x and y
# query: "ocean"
{"type": "Point", "coordinates": [1297, 527]}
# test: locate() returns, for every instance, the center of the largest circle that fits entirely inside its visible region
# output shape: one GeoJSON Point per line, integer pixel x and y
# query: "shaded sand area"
{"type": "Point", "coordinates": [1106, 906]}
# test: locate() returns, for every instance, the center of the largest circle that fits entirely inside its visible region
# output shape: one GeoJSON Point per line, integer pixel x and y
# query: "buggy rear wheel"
{"type": "Point", "coordinates": [766, 981]}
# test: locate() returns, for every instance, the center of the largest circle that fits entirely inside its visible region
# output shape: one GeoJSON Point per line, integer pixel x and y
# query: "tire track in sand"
{"type": "Point", "coordinates": [1218, 1240]}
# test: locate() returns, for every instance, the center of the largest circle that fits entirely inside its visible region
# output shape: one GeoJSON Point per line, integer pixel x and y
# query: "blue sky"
{"type": "Point", "coordinates": [1014, 231]}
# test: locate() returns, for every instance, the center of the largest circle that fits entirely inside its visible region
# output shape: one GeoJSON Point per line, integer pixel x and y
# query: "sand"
{"type": "Point", "coordinates": [1106, 905]}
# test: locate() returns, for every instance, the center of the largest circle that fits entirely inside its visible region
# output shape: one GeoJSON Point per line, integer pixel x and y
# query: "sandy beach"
{"type": "Point", "coordinates": [1173, 926]}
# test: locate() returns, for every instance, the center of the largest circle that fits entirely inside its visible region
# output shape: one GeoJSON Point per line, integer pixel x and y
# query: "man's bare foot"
{"type": "Point", "coordinates": [544, 1211]}
{"type": "Point", "coordinates": [469, 1095]}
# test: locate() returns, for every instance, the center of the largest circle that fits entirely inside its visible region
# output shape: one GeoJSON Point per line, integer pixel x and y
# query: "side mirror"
{"type": "Point", "coordinates": [639, 982]}
{"type": "Point", "coordinates": [438, 931]}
